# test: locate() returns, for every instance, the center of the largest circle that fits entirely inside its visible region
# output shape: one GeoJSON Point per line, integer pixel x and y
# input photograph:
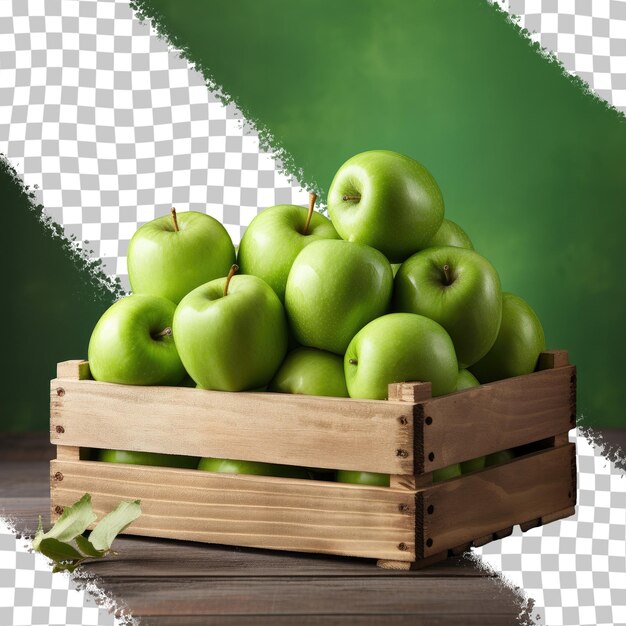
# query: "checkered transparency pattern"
{"type": "Point", "coordinates": [113, 128]}
{"type": "Point", "coordinates": [30, 594]}
{"type": "Point", "coordinates": [574, 569]}
{"type": "Point", "coordinates": [588, 37]}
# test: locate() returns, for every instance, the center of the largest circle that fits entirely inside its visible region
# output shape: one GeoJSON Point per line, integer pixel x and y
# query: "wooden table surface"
{"type": "Point", "coordinates": [169, 582]}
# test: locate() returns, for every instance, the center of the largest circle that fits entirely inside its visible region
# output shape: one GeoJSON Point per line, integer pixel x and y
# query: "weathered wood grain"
{"type": "Point", "coordinates": [256, 511]}
{"type": "Point", "coordinates": [335, 433]}
{"type": "Point", "coordinates": [472, 507]}
{"type": "Point", "coordinates": [493, 417]}
{"type": "Point", "coordinates": [549, 359]}
{"type": "Point", "coordinates": [410, 392]}
{"type": "Point", "coordinates": [409, 619]}
{"type": "Point", "coordinates": [346, 596]}
{"type": "Point", "coordinates": [77, 369]}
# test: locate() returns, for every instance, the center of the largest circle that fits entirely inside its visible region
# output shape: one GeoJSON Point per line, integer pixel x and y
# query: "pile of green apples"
{"type": "Point", "coordinates": [387, 290]}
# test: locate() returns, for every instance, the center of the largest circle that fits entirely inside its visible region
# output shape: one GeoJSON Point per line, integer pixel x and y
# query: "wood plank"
{"type": "Point", "coordinates": [439, 619]}
{"type": "Point", "coordinates": [24, 479]}
{"type": "Point", "coordinates": [334, 433]}
{"type": "Point", "coordinates": [553, 517]}
{"type": "Point", "coordinates": [549, 359]}
{"type": "Point", "coordinates": [419, 564]}
{"type": "Point", "coordinates": [317, 596]}
{"type": "Point", "coordinates": [255, 511]}
{"type": "Point", "coordinates": [77, 369]}
{"type": "Point", "coordinates": [25, 447]}
{"type": "Point", "coordinates": [410, 392]}
{"type": "Point", "coordinates": [497, 416]}
{"type": "Point", "coordinates": [520, 490]}
{"type": "Point", "coordinates": [501, 534]}
{"type": "Point", "coordinates": [68, 453]}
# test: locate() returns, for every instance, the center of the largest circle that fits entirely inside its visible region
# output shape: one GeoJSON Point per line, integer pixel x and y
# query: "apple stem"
{"type": "Point", "coordinates": [446, 273]}
{"type": "Point", "coordinates": [312, 199]}
{"type": "Point", "coordinates": [166, 332]}
{"type": "Point", "coordinates": [353, 362]}
{"type": "Point", "coordinates": [346, 198]}
{"type": "Point", "coordinates": [233, 269]}
{"type": "Point", "coordinates": [175, 219]}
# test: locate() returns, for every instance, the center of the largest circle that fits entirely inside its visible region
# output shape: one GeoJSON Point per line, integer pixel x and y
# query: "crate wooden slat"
{"type": "Point", "coordinates": [391, 437]}
{"type": "Point", "coordinates": [470, 507]}
{"type": "Point", "coordinates": [253, 511]}
{"type": "Point", "coordinates": [497, 416]}
{"type": "Point", "coordinates": [355, 434]}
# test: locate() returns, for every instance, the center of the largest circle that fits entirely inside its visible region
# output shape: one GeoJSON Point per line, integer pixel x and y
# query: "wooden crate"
{"type": "Point", "coordinates": [413, 522]}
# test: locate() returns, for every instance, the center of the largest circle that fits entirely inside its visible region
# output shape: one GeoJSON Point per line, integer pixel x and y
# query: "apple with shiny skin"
{"type": "Point", "coordinates": [131, 457]}
{"type": "Point", "coordinates": [254, 468]}
{"type": "Point", "coordinates": [311, 372]}
{"type": "Point", "coordinates": [446, 473]}
{"type": "Point", "coordinates": [457, 288]}
{"type": "Point", "coordinates": [466, 380]}
{"type": "Point", "coordinates": [334, 288]}
{"type": "Point", "coordinates": [274, 239]}
{"type": "Point", "coordinates": [385, 200]}
{"type": "Point", "coordinates": [176, 253]}
{"type": "Point", "coordinates": [132, 343]}
{"type": "Point", "coordinates": [400, 347]}
{"type": "Point", "coordinates": [363, 478]}
{"type": "Point", "coordinates": [231, 333]}
{"type": "Point", "coordinates": [450, 234]}
{"type": "Point", "coordinates": [499, 457]}
{"type": "Point", "coordinates": [518, 345]}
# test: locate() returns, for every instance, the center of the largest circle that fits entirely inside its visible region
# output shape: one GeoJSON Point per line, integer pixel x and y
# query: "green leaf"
{"type": "Point", "coordinates": [72, 522]}
{"type": "Point", "coordinates": [114, 523]}
{"type": "Point", "coordinates": [86, 547]}
{"type": "Point", "coordinates": [38, 535]}
{"type": "Point", "coordinates": [59, 550]}
{"type": "Point", "coordinates": [67, 566]}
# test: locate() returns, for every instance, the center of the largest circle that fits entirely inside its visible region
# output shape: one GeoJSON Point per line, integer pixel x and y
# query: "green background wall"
{"type": "Point", "coordinates": [52, 299]}
{"type": "Point", "coordinates": [529, 164]}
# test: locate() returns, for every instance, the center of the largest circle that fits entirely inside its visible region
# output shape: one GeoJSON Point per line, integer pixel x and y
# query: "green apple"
{"type": "Point", "coordinates": [132, 343]}
{"type": "Point", "coordinates": [457, 288]}
{"type": "Point", "coordinates": [334, 288]}
{"type": "Point", "coordinates": [518, 345]}
{"type": "Point", "coordinates": [466, 380]}
{"type": "Point", "coordinates": [363, 478]}
{"type": "Point", "coordinates": [274, 239]}
{"type": "Point", "coordinates": [445, 473]}
{"type": "Point", "coordinates": [385, 200]}
{"type": "Point", "coordinates": [499, 457]}
{"type": "Point", "coordinates": [311, 372]}
{"type": "Point", "coordinates": [450, 234]}
{"type": "Point", "coordinates": [148, 458]}
{"type": "Point", "coordinates": [231, 333]}
{"type": "Point", "coordinates": [395, 267]}
{"type": "Point", "coordinates": [473, 465]}
{"type": "Point", "coordinates": [400, 347]}
{"type": "Point", "coordinates": [256, 468]}
{"type": "Point", "coordinates": [176, 253]}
